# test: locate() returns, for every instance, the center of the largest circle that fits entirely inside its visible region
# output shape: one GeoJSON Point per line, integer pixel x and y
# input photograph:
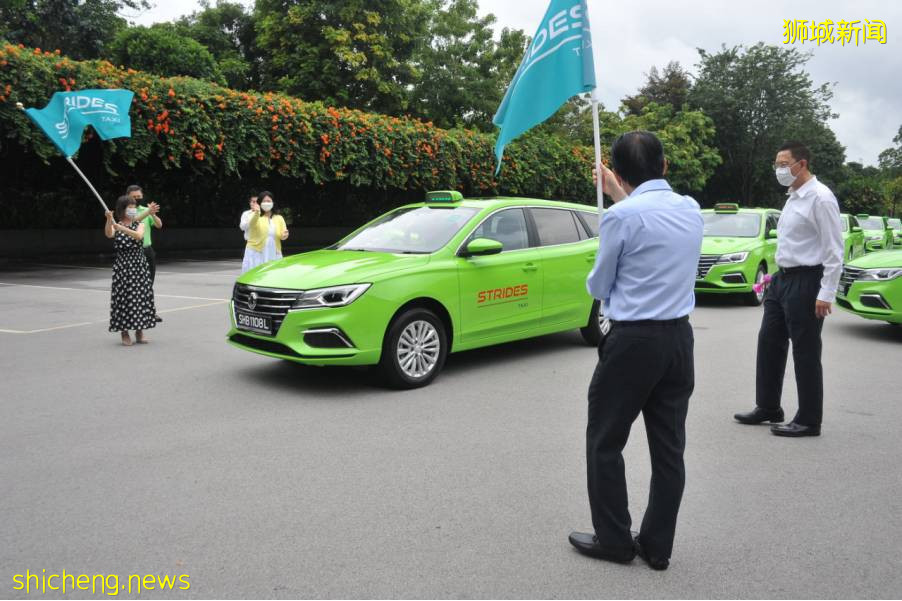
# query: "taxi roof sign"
{"type": "Point", "coordinates": [863, 216]}
{"type": "Point", "coordinates": [444, 196]}
{"type": "Point", "coordinates": [726, 207]}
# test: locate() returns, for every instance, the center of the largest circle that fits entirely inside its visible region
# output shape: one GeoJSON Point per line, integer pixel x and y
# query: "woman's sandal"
{"type": "Point", "coordinates": [126, 339]}
{"type": "Point", "coordinates": [139, 337]}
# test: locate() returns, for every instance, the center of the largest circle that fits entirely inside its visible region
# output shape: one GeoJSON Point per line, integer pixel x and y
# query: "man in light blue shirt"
{"type": "Point", "coordinates": [644, 274]}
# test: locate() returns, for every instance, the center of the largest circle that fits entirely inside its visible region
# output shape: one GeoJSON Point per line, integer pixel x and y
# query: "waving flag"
{"type": "Point", "coordinates": [68, 113]}
{"type": "Point", "coordinates": [557, 66]}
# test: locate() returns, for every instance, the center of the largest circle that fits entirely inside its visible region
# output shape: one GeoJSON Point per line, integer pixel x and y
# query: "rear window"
{"type": "Point", "coordinates": [555, 226]}
{"type": "Point", "coordinates": [590, 221]}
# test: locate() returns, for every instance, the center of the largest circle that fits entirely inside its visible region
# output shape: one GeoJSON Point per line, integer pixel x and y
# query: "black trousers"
{"type": "Point", "coordinates": [646, 369]}
{"type": "Point", "coordinates": [151, 262]}
{"type": "Point", "coordinates": [789, 315]}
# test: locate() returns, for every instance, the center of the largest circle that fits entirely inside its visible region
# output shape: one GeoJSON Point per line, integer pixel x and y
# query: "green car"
{"type": "Point", "coordinates": [737, 251]}
{"type": "Point", "coordinates": [871, 286]}
{"type": "Point", "coordinates": [896, 224]}
{"type": "Point", "coordinates": [877, 233]}
{"type": "Point", "coordinates": [852, 237]}
{"type": "Point", "coordinates": [422, 281]}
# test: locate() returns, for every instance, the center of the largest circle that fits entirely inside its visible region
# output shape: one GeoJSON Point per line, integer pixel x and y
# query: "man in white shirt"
{"type": "Point", "coordinates": [245, 221]}
{"type": "Point", "coordinates": [801, 295]}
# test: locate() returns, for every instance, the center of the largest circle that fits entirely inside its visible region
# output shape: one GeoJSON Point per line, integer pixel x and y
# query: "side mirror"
{"type": "Point", "coordinates": [856, 228]}
{"type": "Point", "coordinates": [772, 234]}
{"type": "Point", "coordinates": [482, 247]}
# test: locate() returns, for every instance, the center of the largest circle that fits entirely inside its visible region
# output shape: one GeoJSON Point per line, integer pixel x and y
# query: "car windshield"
{"type": "Point", "coordinates": [871, 223]}
{"type": "Point", "coordinates": [732, 225]}
{"type": "Point", "coordinates": [845, 223]}
{"type": "Point", "coordinates": [410, 230]}
{"type": "Point", "coordinates": [895, 223]}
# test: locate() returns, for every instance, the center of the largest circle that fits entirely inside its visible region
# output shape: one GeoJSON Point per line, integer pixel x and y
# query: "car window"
{"type": "Point", "coordinates": [555, 226]}
{"type": "Point", "coordinates": [410, 230]}
{"type": "Point", "coordinates": [732, 225]}
{"type": "Point", "coordinates": [590, 221]}
{"type": "Point", "coordinates": [507, 227]}
{"type": "Point", "coordinates": [853, 222]}
{"type": "Point", "coordinates": [845, 223]}
{"type": "Point", "coordinates": [872, 223]}
{"type": "Point", "coordinates": [895, 223]}
{"type": "Point", "coordinates": [772, 220]}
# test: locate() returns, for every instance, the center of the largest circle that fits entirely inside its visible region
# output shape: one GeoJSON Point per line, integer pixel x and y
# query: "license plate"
{"type": "Point", "coordinates": [253, 323]}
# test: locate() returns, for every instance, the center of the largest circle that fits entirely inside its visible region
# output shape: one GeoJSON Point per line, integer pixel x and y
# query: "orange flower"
{"type": "Point", "coordinates": [36, 50]}
{"type": "Point", "coordinates": [171, 93]}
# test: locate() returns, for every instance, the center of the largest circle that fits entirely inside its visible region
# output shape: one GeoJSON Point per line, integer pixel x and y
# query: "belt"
{"type": "Point", "coordinates": [652, 322]}
{"type": "Point", "coordinates": [801, 268]}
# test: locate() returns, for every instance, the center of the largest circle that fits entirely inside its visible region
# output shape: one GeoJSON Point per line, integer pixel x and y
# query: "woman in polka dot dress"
{"type": "Point", "coordinates": [131, 299]}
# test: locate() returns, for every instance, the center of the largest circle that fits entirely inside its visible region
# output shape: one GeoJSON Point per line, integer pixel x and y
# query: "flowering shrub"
{"type": "Point", "coordinates": [201, 129]}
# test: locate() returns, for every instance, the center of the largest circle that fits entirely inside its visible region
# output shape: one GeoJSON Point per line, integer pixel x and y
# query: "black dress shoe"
{"type": "Point", "coordinates": [655, 563]}
{"type": "Point", "coordinates": [759, 416]}
{"type": "Point", "coordinates": [158, 318]}
{"type": "Point", "coordinates": [794, 429]}
{"type": "Point", "coordinates": [587, 544]}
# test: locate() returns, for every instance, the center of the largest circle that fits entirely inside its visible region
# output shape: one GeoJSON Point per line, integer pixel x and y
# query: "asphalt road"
{"type": "Point", "coordinates": [260, 478]}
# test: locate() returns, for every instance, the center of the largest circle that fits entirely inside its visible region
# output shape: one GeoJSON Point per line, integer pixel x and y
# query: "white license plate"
{"type": "Point", "coordinates": [253, 323]}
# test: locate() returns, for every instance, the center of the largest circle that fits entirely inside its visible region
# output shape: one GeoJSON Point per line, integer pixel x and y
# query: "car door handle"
{"type": "Point", "coordinates": [530, 267]}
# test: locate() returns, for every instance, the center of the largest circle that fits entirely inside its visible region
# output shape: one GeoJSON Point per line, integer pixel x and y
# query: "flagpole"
{"type": "Point", "coordinates": [77, 170]}
{"type": "Point", "coordinates": [599, 191]}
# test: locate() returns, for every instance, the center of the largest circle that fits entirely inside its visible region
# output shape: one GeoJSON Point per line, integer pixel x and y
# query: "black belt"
{"type": "Point", "coordinates": [801, 268]}
{"type": "Point", "coordinates": [652, 322]}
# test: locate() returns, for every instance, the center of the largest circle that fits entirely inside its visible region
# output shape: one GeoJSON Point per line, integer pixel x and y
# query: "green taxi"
{"type": "Point", "coordinates": [738, 250]}
{"type": "Point", "coordinates": [422, 281]}
{"type": "Point", "coordinates": [896, 224]}
{"type": "Point", "coordinates": [871, 286]}
{"type": "Point", "coordinates": [852, 237]}
{"type": "Point", "coordinates": [877, 233]}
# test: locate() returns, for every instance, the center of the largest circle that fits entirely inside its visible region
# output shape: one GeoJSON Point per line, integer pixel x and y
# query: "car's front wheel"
{"type": "Point", "coordinates": [414, 349]}
{"type": "Point", "coordinates": [592, 331]}
{"type": "Point", "coordinates": [753, 299]}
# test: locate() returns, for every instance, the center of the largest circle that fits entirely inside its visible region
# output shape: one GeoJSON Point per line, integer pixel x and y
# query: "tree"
{"type": "Point", "coordinates": [891, 158]}
{"type": "Point", "coordinates": [464, 72]}
{"type": "Point", "coordinates": [227, 31]}
{"type": "Point", "coordinates": [759, 97]}
{"type": "Point", "coordinates": [162, 50]}
{"type": "Point", "coordinates": [861, 189]}
{"type": "Point", "coordinates": [354, 53]}
{"type": "Point", "coordinates": [671, 87]}
{"type": "Point", "coordinates": [81, 29]}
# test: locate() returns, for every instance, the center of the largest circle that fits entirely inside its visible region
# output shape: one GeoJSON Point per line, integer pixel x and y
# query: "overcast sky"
{"type": "Point", "coordinates": [632, 36]}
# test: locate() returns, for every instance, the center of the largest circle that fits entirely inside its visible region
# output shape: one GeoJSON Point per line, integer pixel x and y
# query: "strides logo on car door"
{"type": "Point", "coordinates": [499, 296]}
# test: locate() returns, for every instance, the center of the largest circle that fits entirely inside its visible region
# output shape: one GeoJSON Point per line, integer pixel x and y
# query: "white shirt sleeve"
{"type": "Point", "coordinates": [245, 220]}
{"type": "Point", "coordinates": [829, 223]}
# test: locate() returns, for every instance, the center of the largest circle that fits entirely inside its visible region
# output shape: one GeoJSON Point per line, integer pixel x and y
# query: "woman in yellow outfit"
{"type": "Point", "coordinates": [265, 233]}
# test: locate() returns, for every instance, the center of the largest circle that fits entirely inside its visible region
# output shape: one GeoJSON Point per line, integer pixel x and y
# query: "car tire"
{"type": "Point", "coordinates": [591, 333]}
{"type": "Point", "coordinates": [414, 349]}
{"type": "Point", "coordinates": [753, 299]}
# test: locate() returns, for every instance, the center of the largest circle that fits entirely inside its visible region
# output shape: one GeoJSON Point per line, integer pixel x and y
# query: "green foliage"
{"type": "Point", "coordinates": [80, 29]}
{"type": "Point", "coordinates": [861, 190]}
{"type": "Point", "coordinates": [190, 133]}
{"type": "Point", "coordinates": [160, 49]}
{"type": "Point", "coordinates": [669, 88]}
{"type": "Point", "coordinates": [464, 73]}
{"type": "Point", "coordinates": [758, 98]}
{"type": "Point", "coordinates": [891, 158]}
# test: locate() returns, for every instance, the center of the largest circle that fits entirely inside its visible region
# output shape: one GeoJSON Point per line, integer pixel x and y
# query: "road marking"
{"type": "Point", "coordinates": [91, 323]}
{"type": "Point", "coordinates": [203, 298]}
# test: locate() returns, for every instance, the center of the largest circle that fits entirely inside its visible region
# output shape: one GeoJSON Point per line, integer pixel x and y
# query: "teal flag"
{"type": "Point", "coordinates": [68, 113]}
{"type": "Point", "coordinates": [557, 66]}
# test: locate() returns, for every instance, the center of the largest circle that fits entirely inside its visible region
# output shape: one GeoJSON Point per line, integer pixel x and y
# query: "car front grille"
{"type": "Point", "coordinates": [705, 263]}
{"type": "Point", "coordinates": [848, 277]}
{"type": "Point", "coordinates": [271, 302]}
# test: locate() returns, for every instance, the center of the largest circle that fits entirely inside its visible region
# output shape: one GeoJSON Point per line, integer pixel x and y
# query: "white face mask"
{"type": "Point", "coordinates": [785, 176]}
{"type": "Point", "coordinates": [266, 206]}
{"type": "Point", "coordinates": [131, 213]}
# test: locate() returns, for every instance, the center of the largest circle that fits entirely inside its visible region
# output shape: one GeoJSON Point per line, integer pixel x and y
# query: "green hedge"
{"type": "Point", "coordinates": [192, 139]}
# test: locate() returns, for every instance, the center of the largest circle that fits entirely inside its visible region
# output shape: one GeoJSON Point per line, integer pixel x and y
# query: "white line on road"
{"type": "Point", "coordinates": [109, 269]}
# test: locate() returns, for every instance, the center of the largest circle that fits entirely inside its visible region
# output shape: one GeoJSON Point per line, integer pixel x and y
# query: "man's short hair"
{"type": "Point", "coordinates": [133, 188]}
{"type": "Point", "coordinates": [798, 151]}
{"type": "Point", "coordinates": [638, 156]}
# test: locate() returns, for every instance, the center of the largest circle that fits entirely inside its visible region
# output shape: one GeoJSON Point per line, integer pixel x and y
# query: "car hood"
{"type": "Point", "coordinates": [878, 260]}
{"type": "Point", "coordinates": [323, 268]}
{"type": "Point", "coordinates": [716, 245]}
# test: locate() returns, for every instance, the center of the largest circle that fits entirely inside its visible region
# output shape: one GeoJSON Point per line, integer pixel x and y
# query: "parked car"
{"type": "Point", "coordinates": [877, 233]}
{"type": "Point", "coordinates": [853, 237]}
{"type": "Point", "coordinates": [871, 286]}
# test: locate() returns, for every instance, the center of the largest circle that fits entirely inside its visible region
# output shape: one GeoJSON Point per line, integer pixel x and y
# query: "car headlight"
{"type": "Point", "coordinates": [334, 296]}
{"type": "Point", "coordinates": [733, 258]}
{"type": "Point", "coordinates": [881, 275]}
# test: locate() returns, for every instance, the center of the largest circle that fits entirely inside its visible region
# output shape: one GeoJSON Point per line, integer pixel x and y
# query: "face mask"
{"type": "Point", "coordinates": [131, 213]}
{"type": "Point", "coordinates": [785, 176]}
{"type": "Point", "coordinates": [266, 206]}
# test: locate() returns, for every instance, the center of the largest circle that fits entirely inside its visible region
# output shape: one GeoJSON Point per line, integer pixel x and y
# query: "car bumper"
{"type": "Point", "coordinates": [874, 245]}
{"type": "Point", "coordinates": [874, 300]}
{"type": "Point", "coordinates": [726, 279]}
{"type": "Point", "coordinates": [349, 335]}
